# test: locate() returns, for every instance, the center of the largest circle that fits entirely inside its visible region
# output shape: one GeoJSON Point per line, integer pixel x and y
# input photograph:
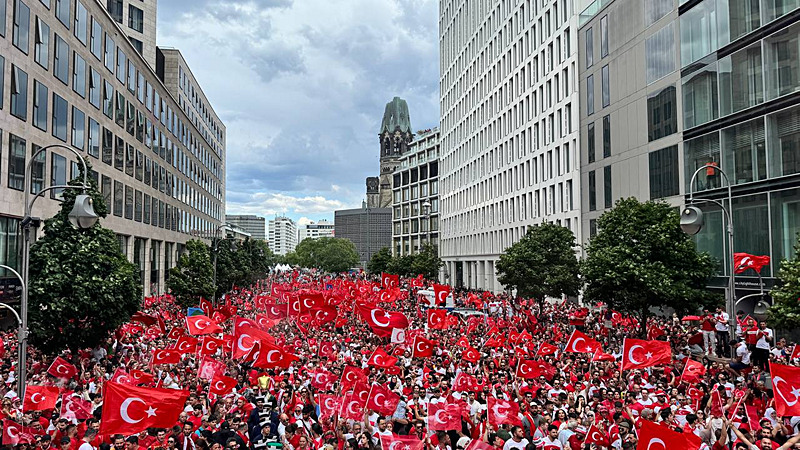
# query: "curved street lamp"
{"type": "Point", "coordinates": [82, 216]}
{"type": "Point", "coordinates": [215, 248]}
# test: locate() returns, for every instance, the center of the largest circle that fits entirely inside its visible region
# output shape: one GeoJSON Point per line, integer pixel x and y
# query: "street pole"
{"type": "Point", "coordinates": [692, 222]}
{"type": "Point", "coordinates": [215, 250]}
{"type": "Point", "coordinates": [82, 216]}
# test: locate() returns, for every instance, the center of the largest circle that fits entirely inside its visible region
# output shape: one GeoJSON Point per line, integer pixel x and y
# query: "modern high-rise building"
{"type": "Point", "coordinates": [415, 195]}
{"type": "Point", "coordinates": [255, 225]}
{"type": "Point", "coordinates": [282, 235]}
{"type": "Point", "coordinates": [315, 230]}
{"type": "Point", "coordinates": [71, 75]}
{"type": "Point", "coordinates": [370, 229]}
{"type": "Point", "coordinates": [670, 86]}
{"type": "Point", "coordinates": [509, 129]}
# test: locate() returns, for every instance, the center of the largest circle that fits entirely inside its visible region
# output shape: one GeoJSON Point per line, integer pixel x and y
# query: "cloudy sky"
{"type": "Point", "coordinates": [301, 86]}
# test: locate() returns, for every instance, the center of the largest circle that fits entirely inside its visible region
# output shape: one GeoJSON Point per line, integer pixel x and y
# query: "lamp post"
{"type": "Point", "coordinates": [215, 249]}
{"type": "Point", "coordinates": [82, 216]}
{"type": "Point", "coordinates": [426, 210]}
{"type": "Point", "coordinates": [692, 222]}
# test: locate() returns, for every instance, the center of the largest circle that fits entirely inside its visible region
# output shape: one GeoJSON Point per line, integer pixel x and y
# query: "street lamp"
{"type": "Point", "coordinates": [426, 210]}
{"type": "Point", "coordinates": [692, 222]}
{"type": "Point", "coordinates": [82, 216]}
{"type": "Point", "coordinates": [215, 249]}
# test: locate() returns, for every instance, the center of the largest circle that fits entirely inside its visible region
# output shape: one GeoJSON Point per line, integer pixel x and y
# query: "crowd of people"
{"type": "Point", "coordinates": [496, 372]}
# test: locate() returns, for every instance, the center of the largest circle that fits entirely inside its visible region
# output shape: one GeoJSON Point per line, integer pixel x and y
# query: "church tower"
{"type": "Point", "coordinates": [395, 135]}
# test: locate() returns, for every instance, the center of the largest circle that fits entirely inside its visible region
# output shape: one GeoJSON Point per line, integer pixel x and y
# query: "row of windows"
{"type": "Point", "coordinates": [592, 188]}
{"type": "Point", "coordinates": [418, 225]}
{"type": "Point", "coordinates": [204, 112]}
{"type": "Point", "coordinates": [496, 241]}
{"type": "Point", "coordinates": [416, 208]}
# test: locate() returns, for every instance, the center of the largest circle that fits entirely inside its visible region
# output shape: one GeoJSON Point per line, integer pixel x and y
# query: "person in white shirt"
{"type": "Point", "coordinates": [722, 331]}
{"type": "Point", "coordinates": [517, 441]}
{"type": "Point", "coordinates": [742, 360]}
{"type": "Point", "coordinates": [761, 352]}
{"type": "Point", "coordinates": [551, 442]}
{"type": "Point", "coordinates": [88, 437]}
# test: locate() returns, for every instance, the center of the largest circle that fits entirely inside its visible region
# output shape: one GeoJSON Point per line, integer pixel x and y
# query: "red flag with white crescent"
{"type": "Point", "coordinates": [131, 409]}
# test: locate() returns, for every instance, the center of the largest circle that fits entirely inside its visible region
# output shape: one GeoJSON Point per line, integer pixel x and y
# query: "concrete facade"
{"type": "Point", "coordinates": [282, 235]}
{"type": "Point", "coordinates": [370, 229]}
{"type": "Point", "coordinates": [255, 225]}
{"type": "Point", "coordinates": [315, 230]}
{"type": "Point", "coordinates": [138, 21]}
{"type": "Point", "coordinates": [63, 84]}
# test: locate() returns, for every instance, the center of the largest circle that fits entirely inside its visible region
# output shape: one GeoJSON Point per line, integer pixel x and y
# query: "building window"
{"type": "Point", "coordinates": [22, 24]}
{"type": "Point", "coordinates": [94, 88]}
{"type": "Point", "coordinates": [81, 22]}
{"type": "Point", "coordinates": [79, 75]}
{"type": "Point", "coordinates": [138, 45]}
{"type": "Point", "coordinates": [58, 174]}
{"type": "Point", "coordinates": [3, 19]}
{"type": "Point", "coordinates": [604, 36]}
{"type": "Point", "coordinates": [589, 48]}
{"type": "Point", "coordinates": [2, 81]}
{"type": "Point", "coordinates": [699, 152]}
{"type": "Point", "coordinates": [96, 41]}
{"type": "Point", "coordinates": [19, 93]}
{"type": "Point", "coordinates": [108, 146]}
{"type": "Point", "coordinates": [110, 51]}
{"type": "Point", "coordinates": [16, 162]}
{"type": "Point", "coordinates": [61, 62]}
{"type": "Point", "coordinates": [108, 99]}
{"type": "Point", "coordinates": [607, 197]}
{"type": "Point", "coordinates": [41, 49]}
{"type": "Point", "coordinates": [745, 154]}
{"type": "Point", "coordinates": [78, 128]}
{"type": "Point", "coordinates": [700, 97]}
{"type": "Point", "coordinates": [129, 169]}
{"type": "Point", "coordinates": [660, 53]}
{"type": "Point", "coordinates": [119, 192]}
{"type": "Point", "coordinates": [94, 138]}
{"type": "Point", "coordinates": [137, 212]}
{"type": "Point", "coordinates": [37, 169]}
{"type": "Point", "coordinates": [590, 143]}
{"type": "Point", "coordinates": [784, 132]}
{"type": "Point", "coordinates": [662, 119]}
{"type": "Point", "coordinates": [605, 85]}
{"type": "Point", "coordinates": [40, 96]}
{"type": "Point", "coordinates": [119, 153]}
{"type": "Point", "coordinates": [122, 63]}
{"type": "Point", "coordinates": [62, 11]}
{"type": "Point", "coordinates": [590, 95]}
{"type": "Point", "coordinates": [656, 9]}
{"type": "Point", "coordinates": [60, 112]}
{"type": "Point", "coordinates": [105, 189]}
{"type": "Point", "coordinates": [592, 191]}
{"type": "Point", "coordinates": [700, 30]}
{"type": "Point", "coordinates": [744, 16]}
{"type": "Point", "coordinates": [115, 8]}
{"type": "Point", "coordinates": [128, 202]}
{"type": "Point", "coordinates": [741, 80]}
{"type": "Point", "coordinates": [136, 18]}
{"type": "Point", "coordinates": [606, 136]}
{"type": "Point", "coordinates": [592, 228]}
{"type": "Point", "coordinates": [664, 172]}
{"type": "Point", "coordinates": [146, 209]}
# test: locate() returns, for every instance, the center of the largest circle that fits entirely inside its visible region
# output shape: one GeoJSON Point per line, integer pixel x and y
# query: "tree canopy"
{"type": "Point", "coordinates": [327, 253]}
{"type": "Point", "coordinates": [192, 278]}
{"type": "Point", "coordinates": [641, 259]}
{"type": "Point", "coordinates": [785, 310]}
{"type": "Point", "coordinates": [380, 261]}
{"type": "Point", "coordinates": [82, 286]}
{"type": "Point", "coordinates": [241, 263]}
{"type": "Point", "coordinates": [542, 263]}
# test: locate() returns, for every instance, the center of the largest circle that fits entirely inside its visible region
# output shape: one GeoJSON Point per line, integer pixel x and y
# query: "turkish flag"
{"type": "Point", "coordinates": [437, 319]}
{"type": "Point", "coordinates": [328, 405]}
{"type": "Point", "coordinates": [503, 412]}
{"type": "Point", "coordinates": [131, 409]}
{"type": "Point", "coordinates": [294, 306]}
{"type": "Point", "coordinates": [786, 385]}
{"type": "Point", "coordinates": [162, 356]}
{"type": "Point", "coordinates": [471, 354]}
{"type": "Point", "coordinates": [638, 354]}
{"type": "Point", "coordinates": [275, 312]}
{"type": "Point", "coordinates": [120, 376]}
{"type": "Point", "coordinates": [327, 349]}
{"type": "Point", "coordinates": [311, 299]}
{"type": "Point", "coordinates": [581, 343]}
{"type": "Point", "coordinates": [795, 352]}
{"type": "Point", "coordinates": [382, 322]}
{"type": "Point", "coordinates": [398, 336]}
{"type": "Point", "coordinates": [477, 444]}
{"type": "Point", "coordinates": [382, 400]}
{"type": "Point", "coordinates": [595, 436]}
{"type": "Point", "coordinates": [423, 348]}
{"type": "Point", "coordinates": [209, 345]}
{"type": "Point", "coordinates": [390, 281]}
{"type": "Point", "coordinates": [186, 345]}
{"type": "Point", "coordinates": [744, 261]}
{"type": "Point", "coordinates": [11, 432]}
{"type": "Point", "coordinates": [205, 305]}
{"type": "Point", "coordinates": [381, 359]}
{"type": "Point", "coordinates": [442, 418]}
{"type": "Point", "coordinates": [73, 407]}
{"type": "Point", "coordinates": [322, 379]}
{"type": "Point", "coordinates": [246, 337]}
{"type": "Point", "coordinates": [463, 342]}
{"type": "Point", "coordinates": [464, 382]}
{"type": "Point", "coordinates": [440, 293]}
{"type": "Point", "coordinates": [323, 314]}
{"type": "Point", "coordinates": [176, 332]}
{"type": "Point", "coordinates": [264, 322]}
{"type": "Point", "coordinates": [209, 368]}
{"type": "Point", "coordinates": [239, 321]}
{"type": "Point", "coordinates": [140, 377]}
{"type": "Point", "coordinates": [221, 385]}
{"type": "Point", "coordinates": [546, 349]}
{"type": "Point", "coordinates": [655, 437]}
{"type": "Point", "coordinates": [361, 391]}
{"type": "Point", "coordinates": [601, 356]}
{"type": "Point", "coordinates": [527, 369]}
{"type": "Point", "coordinates": [61, 368]}
{"type": "Point", "coordinates": [40, 398]}
{"type": "Point", "coordinates": [200, 325]}
{"type": "Point", "coordinates": [351, 375]}
{"type": "Point", "coordinates": [693, 371]}
{"type": "Point", "coordinates": [398, 442]}
{"type": "Point", "coordinates": [351, 407]}
{"type": "Point", "coordinates": [271, 356]}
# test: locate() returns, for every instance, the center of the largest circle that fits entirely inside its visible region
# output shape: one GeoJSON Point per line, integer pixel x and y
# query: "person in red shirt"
{"type": "Point", "coordinates": [709, 337]}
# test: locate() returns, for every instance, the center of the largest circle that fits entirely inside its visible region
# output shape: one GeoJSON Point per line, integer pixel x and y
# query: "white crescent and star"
{"type": "Point", "coordinates": [12, 432]}
{"type": "Point", "coordinates": [36, 395]}
{"type": "Point", "coordinates": [656, 441]}
{"type": "Point", "coordinates": [575, 344]}
{"type": "Point", "coordinates": [379, 402]}
{"type": "Point", "coordinates": [439, 419]}
{"type": "Point", "coordinates": [217, 385]}
{"type": "Point", "coordinates": [242, 347]}
{"type": "Point", "coordinates": [631, 358]}
{"type": "Point", "coordinates": [123, 409]}
{"type": "Point", "coordinates": [375, 319]}
{"type": "Point", "coordinates": [795, 391]}
{"type": "Point", "coordinates": [61, 366]}
{"type": "Point", "coordinates": [269, 356]}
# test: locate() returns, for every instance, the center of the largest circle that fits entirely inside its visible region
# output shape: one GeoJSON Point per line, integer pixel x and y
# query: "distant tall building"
{"type": "Point", "coordinates": [395, 135]}
{"type": "Point", "coordinates": [254, 225]}
{"type": "Point", "coordinates": [370, 229]}
{"type": "Point", "coordinates": [282, 235]}
{"type": "Point", "coordinates": [315, 230]}
{"type": "Point", "coordinates": [137, 19]}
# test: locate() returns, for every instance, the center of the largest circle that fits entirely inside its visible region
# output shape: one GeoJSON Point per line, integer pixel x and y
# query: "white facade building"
{"type": "Point", "coordinates": [282, 235]}
{"type": "Point", "coordinates": [315, 230]}
{"type": "Point", "coordinates": [509, 126]}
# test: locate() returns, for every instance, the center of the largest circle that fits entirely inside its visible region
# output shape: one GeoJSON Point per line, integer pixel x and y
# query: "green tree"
{"type": "Point", "coordinates": [380, 261]}
{"type": "Point", "coordinates": [641, 259]}
{"type": "Point", "coordinates": [291, 259]}
{"type": "Point", "coordinates": [542, 263]}
{"type": "Point", "coordinates": [427, 262]}
{"type": "Point", "coordinates": [327, 254]}
{"type": "Point", "coordinates": [785, 310]}
{"type": "Point", "coordinates": [242, 263]}
{"type": "Point", "coordinates": [402, 265]}
{"type": "Point", "coordinates": [81, 285]}
{"type": "Point", "coordinates": [192, 278]}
